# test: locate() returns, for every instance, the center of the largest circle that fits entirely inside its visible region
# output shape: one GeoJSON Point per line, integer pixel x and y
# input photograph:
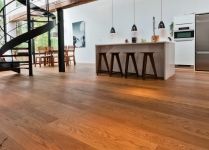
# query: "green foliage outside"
{"type": "Point", "coordinates": [41, 40]}
{"type": "Point", "coordinates": [1, 22]}
{"type": "Point", "coordinates": [1, 4]}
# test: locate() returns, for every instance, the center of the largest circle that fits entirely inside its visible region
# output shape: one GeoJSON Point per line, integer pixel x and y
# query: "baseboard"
{"type": "Point", "coordinates": [185, 66]}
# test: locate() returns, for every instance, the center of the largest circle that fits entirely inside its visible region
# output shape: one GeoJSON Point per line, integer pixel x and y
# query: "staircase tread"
{"type": "Point", "coordinates": [20, 55]}
{"type": "Point", "coordinates": [20, 48]}
{"type": "Point", "coordinates": [22, 67]}
{"type": "Point", "coordinates": [7, 62]}
{"type": "Point", "coordinates": [37, 21]}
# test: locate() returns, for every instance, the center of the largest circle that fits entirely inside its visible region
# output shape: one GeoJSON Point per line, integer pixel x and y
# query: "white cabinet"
{"type": "Point", "coordinates": [184, 37]}
{"type": "Point", "coordinates": [185, 52]}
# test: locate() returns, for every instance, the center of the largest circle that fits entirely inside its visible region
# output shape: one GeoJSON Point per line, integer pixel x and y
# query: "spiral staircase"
{"type": "Point", "coordinates": [11, 51]}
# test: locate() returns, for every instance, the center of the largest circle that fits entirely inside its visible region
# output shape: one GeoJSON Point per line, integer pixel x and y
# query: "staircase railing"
{"type": "Point", "coordinates": [11, 51]}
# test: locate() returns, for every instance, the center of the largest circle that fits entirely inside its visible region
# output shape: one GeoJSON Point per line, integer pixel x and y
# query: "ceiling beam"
{"type": "Point", "coordinates": [57, 4]}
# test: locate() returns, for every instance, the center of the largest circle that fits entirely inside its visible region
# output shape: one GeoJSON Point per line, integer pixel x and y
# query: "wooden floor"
{"type": "Point", "coordinates": [79, 111]}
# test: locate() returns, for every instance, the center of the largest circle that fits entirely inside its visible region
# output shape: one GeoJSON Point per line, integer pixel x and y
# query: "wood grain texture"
{"type": "Point", "coordinates": [78, 110]}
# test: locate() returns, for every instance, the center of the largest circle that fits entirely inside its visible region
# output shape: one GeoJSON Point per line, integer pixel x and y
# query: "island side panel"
{"type": "Point", "coordinates": [97, 57]}
{"type": "Point", "coordinates": [169, 60]}
{"type": "Point", "coordinates": [157, 48]}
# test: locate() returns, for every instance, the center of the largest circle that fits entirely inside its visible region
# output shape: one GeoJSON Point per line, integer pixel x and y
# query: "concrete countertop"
{"type": "Point", "coordinates": [120, 44]}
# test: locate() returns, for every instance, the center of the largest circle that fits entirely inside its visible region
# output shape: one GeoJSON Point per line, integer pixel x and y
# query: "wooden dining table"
{"type": "Point", "coordinates": [46, 57]}
{"type": "Point", "coordinates": [51, 56]}
{"type": "Point", "coordinates": [66, 56]}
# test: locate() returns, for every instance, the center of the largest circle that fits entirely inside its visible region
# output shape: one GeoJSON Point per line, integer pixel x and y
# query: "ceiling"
{"type": "Point", "coordinates": [53, 6]}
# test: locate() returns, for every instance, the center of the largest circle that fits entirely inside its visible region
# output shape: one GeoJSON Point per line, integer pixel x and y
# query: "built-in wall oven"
{"type": "Point", "coordinates": [184, 33]}
{"type": "Point", "coordinates": [184, 37]}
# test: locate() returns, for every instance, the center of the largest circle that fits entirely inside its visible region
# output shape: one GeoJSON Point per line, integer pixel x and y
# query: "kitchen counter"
{"type": "Point", "coordinates": [145, 43]}
{"type": "Point", "coordinates": [164, 55]}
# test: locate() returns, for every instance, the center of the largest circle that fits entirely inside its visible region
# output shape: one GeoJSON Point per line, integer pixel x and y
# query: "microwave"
{"type": "Point", "coordinates": [184, 34]}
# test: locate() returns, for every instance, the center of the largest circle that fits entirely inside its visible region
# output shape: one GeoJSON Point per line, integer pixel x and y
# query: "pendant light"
{"type": "Point", "coordinates": [112, 30]}
{"type": "Point", "coordinates": [161, 24]}
{"type": "Point", "coordinates": [134, 27]}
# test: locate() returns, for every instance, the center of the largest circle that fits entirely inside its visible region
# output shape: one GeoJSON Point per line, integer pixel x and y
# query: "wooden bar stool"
{"type": "Point", "coordinates": [100, 63]}
{"type": "Point", "coordinates": [150, 54]}
{"type": "Point", "coordinates": [113, 55]}
{"type": "Point", "coordinates": [132, 56]}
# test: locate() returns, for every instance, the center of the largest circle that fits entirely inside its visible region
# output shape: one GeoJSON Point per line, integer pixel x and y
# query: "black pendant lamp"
{"type": "Point", "coordinates": [161, 24]}
{"type": "Point", "coordinates": [112, 30]}
{"type": "Point", "coordinates": [134, 27]}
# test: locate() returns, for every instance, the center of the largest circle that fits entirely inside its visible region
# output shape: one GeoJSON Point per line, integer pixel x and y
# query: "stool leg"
{"type": "Point", "coordinates": [99, 64]}
{"type": "Point", "coordinates": [153, 65]}
{"type": "Point", "coordinates": [74, 59]}
{"type": "Point", "coordinates": [119, 64]}
{"type": "Point", "coordinates": [111, 64]}
{"type": "Point", "coordinates": [126, 67]}
{"type": "Point", "coordinates": [135, 66]}
{"type": "Point", "coordinates": [68, 62]}
{"type": "Point", "coordinates": [52, 61]}
{"type": "Point", "coordinates": [35, 61]}
{"type": "Point", "coordinates": [144, 66]}
{"type": "Point", "coordinates": [40, 61]}
{"type": "Point", "coordinates": [105, 59]}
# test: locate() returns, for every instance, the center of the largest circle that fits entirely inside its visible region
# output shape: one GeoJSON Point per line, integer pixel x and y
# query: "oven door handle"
{"type": "Point", "coordinates": [183, 40]}
{"type": "Point", "coordinates": [202, 52]}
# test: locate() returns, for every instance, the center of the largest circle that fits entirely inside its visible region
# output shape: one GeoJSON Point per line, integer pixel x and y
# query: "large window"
{"type": "Point", "coordinates": [21, 27]}
{"type": "Point", "coordinates": [1, 24]}
{"type": "Point", "coordinates": [41, 40]}
{"type": "Point", "coordinates": [1, 3]}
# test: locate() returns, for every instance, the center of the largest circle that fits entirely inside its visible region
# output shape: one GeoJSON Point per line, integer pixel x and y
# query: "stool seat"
{"type": "Point", "coordinates": [113, 55]}
{"type": "Point", "coordinates": [150, 55]}
{"type": "Point", "coordinates": [104, 56]}
{"type": "Point", "coordinates": [132, 55]}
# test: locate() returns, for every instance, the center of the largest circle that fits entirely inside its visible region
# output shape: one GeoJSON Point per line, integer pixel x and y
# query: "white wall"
{"type": "Point", "coordinates": [97, 16]}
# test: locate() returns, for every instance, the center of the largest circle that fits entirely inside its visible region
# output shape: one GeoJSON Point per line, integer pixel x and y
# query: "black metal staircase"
{"type": "Point", "coordinates": [10, 50]}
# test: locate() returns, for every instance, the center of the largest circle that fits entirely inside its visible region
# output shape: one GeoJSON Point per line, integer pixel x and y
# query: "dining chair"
{"type": "Point", "coordinates": [70, 55]}
{"type": "Point", "coordinates": [49, 56]}
{"type": "Point", "coordinates": [40, 58]}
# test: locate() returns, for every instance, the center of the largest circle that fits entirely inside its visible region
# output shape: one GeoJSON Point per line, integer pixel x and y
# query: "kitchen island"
{"type": "Point", "coordinates": [164, 56]}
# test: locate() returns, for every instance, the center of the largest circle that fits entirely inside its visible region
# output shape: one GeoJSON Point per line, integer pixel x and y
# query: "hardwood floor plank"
{"type": "Point", "coordinates": [39, 136]}
{"type": "Point", "coordinates": [79, 110]}
{"type": "Point", "coordinates": [140, 124]}
{"type": "Point", "coordinates": [7, 143]}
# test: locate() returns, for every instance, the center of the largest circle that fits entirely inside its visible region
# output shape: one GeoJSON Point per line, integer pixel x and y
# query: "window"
{"type": "Point", "coordinates": [41, 40]}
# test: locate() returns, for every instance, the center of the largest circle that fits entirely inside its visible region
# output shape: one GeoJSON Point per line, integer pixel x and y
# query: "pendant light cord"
{"type": "Point", "coordinates": [134, 11]}
{"type": "Point", "coordinates": [161, 10]}
{"type": "Point", "coordinates": [112, 13]}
